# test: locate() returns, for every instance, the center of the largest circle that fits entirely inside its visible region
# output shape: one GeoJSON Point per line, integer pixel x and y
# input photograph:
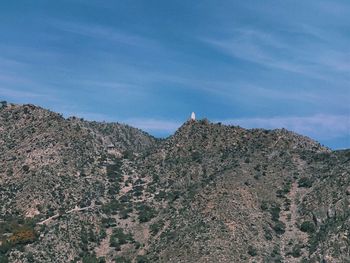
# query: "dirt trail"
{"type": "Point", "coordinates": [293, 235]}
{"type": "Point", "coordinates": [103, 249]}
{"type": "Point", "coordinates": [75, 209]}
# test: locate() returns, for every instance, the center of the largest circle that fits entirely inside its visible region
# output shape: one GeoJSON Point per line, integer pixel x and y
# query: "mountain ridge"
{"type": "Point", "coordinates": [106, 192]}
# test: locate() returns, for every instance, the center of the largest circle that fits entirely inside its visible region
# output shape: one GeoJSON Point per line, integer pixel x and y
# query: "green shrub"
{"type": "Point", "coordinates": [89, 259]}
{"type": "Point", "coordinates": [296, 252]}
{"type": "Point", "coordinates": [264, 205]}
{"type": "Point", "coordinates": [252, 251]}
{"type": "Point", "coordinates": [142, 259]}
{"type": "Point", "coordinates": [156, 227]}
{"type": "Point", "coordinates": [121, 259]}
{"type": "Point", "coordinates": [305, 182]}
{"type": "Point", "coordinates": [279, 227]}
{"type": "Point", "coordinates": [308, 227]}
{"type": "Point", "coordinates": [160, 196]}
{"type": "Point", "coordinates": [119, 238]}
{"type": "Point", "coordinates": [146, 213]}
{"type": "Point", "coordinates": [267, 233]}
{"type": "Point", "coordinates": [3, 259]}
{"type": "Point", "coordinates": [108, 222]}
{"type": "Point", "coordinates": [275, 212]}
{"type": "Point", "coordinates": [137, 190]}
{"type": "Point", "coordinates": [114, 170]}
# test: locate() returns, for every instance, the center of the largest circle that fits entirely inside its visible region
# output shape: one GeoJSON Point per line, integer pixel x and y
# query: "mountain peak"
{"type": "Point", "coordinates": [209, 193]}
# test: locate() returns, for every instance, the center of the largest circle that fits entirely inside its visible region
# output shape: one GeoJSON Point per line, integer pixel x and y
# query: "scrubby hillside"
{"type": "Point", "coordinates": [78, 191]}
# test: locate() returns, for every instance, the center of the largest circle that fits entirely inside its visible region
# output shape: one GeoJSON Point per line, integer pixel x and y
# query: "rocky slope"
{"type": "Point", "coordinates": [79, 191]}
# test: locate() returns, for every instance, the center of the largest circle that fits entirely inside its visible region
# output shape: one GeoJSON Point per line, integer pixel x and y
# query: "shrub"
{"type": "Point", "coordinates": [264, 205]}
{"type": "Point", "coordinates": [160, 196]}
{"type": "Point", "coordinates": [296, 252]}
{"type": "Point", "coordinates": [279, 227]}
{"type": "Point", "coordinates": [308, 227]}
{"type": "Point", "coordinates": [92, 259]}
{"type": "Point", "coordinates": [275, 212]}
{"type": "Point", "coordinates": [156, 227]}
{"type": "Point", "coordinates": [196, 157]}
{"type": "Point", "coordinates": [305, 182]}
{"type": "Point", "coordinates": [252, 251]}
{"type": "Point", "coordinates": [119, 238]}
{"type": "Point", "coordinates": [89, 259]}
{"type": "Point", "coordinates": [25, 168]}
{"type": "Point", "coordinates": [109, 222]}
{"type": "Point", "coordinates": [146, 213]}
{"type": "Point", "coordinates": [114, 170]}
{"type": "Point", "coordinates": [3, 104]}
{"type": "Point", "coordinates": [137, 190]}
{"type": "Point", "coordinates": [121, 259]}
{"type": "Point", "coordinates": [3, 258]}
{"type": "Point", "coordinates": [141, 259]}
{"type": "Point", "coordinates": [267, 233]}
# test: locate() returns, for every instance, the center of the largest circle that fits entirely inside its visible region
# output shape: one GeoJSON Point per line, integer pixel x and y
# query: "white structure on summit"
{"type": "Point", "coordinates": [193, 116]}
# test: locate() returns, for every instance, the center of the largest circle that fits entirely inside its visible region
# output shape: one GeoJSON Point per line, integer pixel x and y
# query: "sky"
{"type": "Point", "coordinates": [256, 64]}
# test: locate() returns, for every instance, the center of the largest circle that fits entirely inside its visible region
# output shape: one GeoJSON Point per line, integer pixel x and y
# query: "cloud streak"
{"type": "Point", "coordinates": [106, 33]}
{"type": "Point", "coordinates": [17, 94]}
{"type": "Point", "coordinates": [313, 59]}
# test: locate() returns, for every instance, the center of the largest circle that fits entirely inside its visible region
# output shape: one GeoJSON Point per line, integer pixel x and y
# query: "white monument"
{"type": "Point", "coordinates": [193, 116]}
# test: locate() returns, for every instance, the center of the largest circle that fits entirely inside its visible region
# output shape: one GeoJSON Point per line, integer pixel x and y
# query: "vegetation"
{"type": "Point", "coordinates": [305, 182]}
{"type": "Point", "coordinates": [209, 191]}
{"type": "Point", "coordinates": [119, 238]}
{"type": "Point", "coordinates": [145, 212]}
{"type": "Point", "coordinates": [308, 227]}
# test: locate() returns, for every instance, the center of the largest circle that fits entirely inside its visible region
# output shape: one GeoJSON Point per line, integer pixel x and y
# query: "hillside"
{"type": "Point", "coordinates": [79, 191]}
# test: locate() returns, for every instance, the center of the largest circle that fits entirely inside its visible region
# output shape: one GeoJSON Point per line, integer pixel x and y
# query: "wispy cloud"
{"type": "Point", "coordinates": [314, 59]}
{"type": "Point", "coordinates": [18, 94]}
{"type": "Point", "coordinates": [105, 33]}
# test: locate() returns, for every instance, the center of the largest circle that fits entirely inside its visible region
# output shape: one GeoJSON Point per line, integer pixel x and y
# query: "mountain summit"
{"type": "Point", "coordinates": [78, 191]}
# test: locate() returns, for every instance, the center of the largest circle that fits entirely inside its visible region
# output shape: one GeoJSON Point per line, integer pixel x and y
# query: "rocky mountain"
{"type": "Point", "coordinates": [79, 191]}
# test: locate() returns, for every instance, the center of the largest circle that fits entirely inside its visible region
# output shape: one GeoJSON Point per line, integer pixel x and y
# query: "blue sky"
{"type": "Point", "coordinates": [151, 63]}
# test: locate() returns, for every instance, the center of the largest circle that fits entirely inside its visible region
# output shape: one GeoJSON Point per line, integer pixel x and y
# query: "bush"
{"type": "Point", "coordinates": [275, 212]}
{"type": "Point", "coordinates": [308, 227]}
{"type": "Point", "coordinates": [89, 259]}
{"type": "Point", "coordinates": [305, 182]}
{"type": "Point", "coordinates": [296, 252]}
{"type": "Point", "coordinates": [3, 259]}
{"type": "Point", "coordinates": [3, 104]}
{"type": "Point", "coordinates": [119, 238]}
{"type": "Point", "coordinates": [121, 259]}
{"type": "Point", "coordinates": [156, 227]}
{"type": "Point", "coordinates": [279, 227]}
{"type": "Point", "coordinates": [146, 213]}
{"type": "Point", "coordinates": [252, 251]}
{"type": "Point", "coordinates": [25, 168]}
{"type": "Point", "coordinates": [114, 170]}
{"type": "Point", "coordinates": [264, 205]}
{"type": "Point", "coordinates": [141, 259]}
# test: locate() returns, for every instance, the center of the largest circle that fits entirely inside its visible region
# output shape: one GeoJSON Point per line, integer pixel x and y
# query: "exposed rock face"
{"type": "Point", "coordinates": [72, 190]}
